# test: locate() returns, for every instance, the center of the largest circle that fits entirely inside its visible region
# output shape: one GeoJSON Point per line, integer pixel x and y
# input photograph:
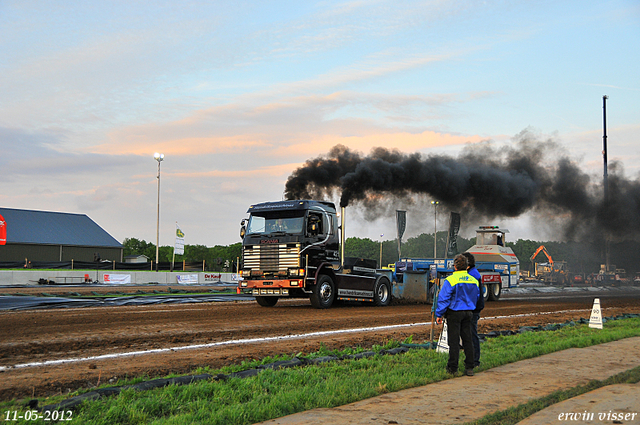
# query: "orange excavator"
{"type": "Point", "coordinates": [544, 250]}
{"type": "Point", "coordinates": [549, 272]}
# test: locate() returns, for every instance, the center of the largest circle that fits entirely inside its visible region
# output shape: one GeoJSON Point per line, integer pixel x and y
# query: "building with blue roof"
{"type": "Point", "coordinates": [54, 236]}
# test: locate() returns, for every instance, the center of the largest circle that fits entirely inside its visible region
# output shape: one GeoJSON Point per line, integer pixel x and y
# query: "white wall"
{"type": "Point", "coordinates": [31, 277]}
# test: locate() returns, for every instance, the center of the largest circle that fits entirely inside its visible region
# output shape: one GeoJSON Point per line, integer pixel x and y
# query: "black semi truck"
{"type": "Point", "coordinates": [292, 249]}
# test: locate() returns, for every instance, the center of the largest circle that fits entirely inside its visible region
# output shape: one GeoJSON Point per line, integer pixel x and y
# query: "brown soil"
{"type": "Point", "coordinates": [44, 335]}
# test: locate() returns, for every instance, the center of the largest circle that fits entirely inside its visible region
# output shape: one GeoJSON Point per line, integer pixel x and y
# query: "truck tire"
{"type": "Point", "coordinates": [323, 293]}
{"type": "Point", "coordinates": [382, 292]}
{"type": "Point", "coordinates": [485, 292]}
{"type": "Point", "coordinates": [267, 301]}
{"type": "Point", "coordinates": [494, 291]}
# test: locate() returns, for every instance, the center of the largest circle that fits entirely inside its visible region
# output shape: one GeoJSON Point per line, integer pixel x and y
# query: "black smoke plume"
{"type": "Point", "coordinates": [482, 182]}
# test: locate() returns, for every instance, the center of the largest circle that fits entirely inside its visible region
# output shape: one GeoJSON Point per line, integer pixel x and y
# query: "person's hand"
{"type": "Point", "coordinates": [439, 320]}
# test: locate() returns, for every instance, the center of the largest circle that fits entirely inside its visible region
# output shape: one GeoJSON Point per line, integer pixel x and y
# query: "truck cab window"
{"type": "Point", "coordinates": [256, 224]}
{"type": "Point", "coordinates": [266, 224]}
{"type": "Point", "coordinates": [315, 225]}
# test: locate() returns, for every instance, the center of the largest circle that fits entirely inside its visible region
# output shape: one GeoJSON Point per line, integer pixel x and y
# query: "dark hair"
{"type": "Point", "coordinates": [471, 260]}
{"type": "Point", "coordinates": [460, 262]}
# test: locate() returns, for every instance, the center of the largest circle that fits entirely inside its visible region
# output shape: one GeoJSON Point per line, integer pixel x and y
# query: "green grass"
{"type": "Point", "coordinates": [273, 394]}
{"type": "Point", "coordinates": [516, 414]}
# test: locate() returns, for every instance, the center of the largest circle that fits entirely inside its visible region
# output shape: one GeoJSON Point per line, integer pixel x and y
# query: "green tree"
{"type": "Point", "coordinates": [362, 248]}
{"type": "Point", "coordinates": [133, 246]}
{"type": "Point", "coordinates": [196, 253]}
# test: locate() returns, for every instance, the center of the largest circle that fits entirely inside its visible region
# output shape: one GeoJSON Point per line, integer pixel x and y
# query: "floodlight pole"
{"type": "Point", "coordinates": [158, 157]}
{"type": "Point", "coordinates": [605, 181]}
{"type": "Point", "coordinates": [435, 228]}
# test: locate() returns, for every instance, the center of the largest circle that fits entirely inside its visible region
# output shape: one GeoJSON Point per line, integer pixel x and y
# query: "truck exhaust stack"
{"type": "Point", "coordinates": [342, 238]}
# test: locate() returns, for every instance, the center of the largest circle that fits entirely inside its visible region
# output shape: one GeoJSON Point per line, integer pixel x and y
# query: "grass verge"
{"type": "Point", "coordinates": [276, 393]}
{"type": "Point", "coordinates": [514, 415]}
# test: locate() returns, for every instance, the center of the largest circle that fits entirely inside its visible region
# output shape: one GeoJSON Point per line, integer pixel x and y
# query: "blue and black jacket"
{"type": "Point", "coordinates": [460, 291]}
{"type": "Point", "coordinates": [475, 273]}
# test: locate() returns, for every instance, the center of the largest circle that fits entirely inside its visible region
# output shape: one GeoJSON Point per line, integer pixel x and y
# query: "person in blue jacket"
{"type": "Point", "coordinates": [456, 301]}
{"type": "Point", "coordinates": [471, 269]}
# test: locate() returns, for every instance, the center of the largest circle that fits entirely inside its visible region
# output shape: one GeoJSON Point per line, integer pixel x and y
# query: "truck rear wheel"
{"type": "Point", "coordinates": [494, 291]}
{"type": "Point", "coordinates": [323, 293]}
{"type": "Point", "coordinates": [267, 301]}
{"type": "Point", "coordinates": [486, 291]}
{"type": "Point", "coordinates": [382, 292]}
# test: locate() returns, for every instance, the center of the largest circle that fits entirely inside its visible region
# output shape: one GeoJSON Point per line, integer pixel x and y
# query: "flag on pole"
{"type": "Point", "coordinates": [401, 223]}
{"type": "Point", "coordinates": [179, 246]}
{"type": "Point", "coordinates": [452, 237]}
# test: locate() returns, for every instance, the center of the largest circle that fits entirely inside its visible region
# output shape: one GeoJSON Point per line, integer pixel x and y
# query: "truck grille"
{"type": "Point", "coordinates": [271, 258]}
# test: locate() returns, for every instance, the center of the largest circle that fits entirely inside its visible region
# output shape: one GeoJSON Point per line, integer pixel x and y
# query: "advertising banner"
{"type": "Point", "coordinates": [118, 279]}
{"type": "Point", "coordinates": [187, 279]}
{"type": "Point", "coordinates": [212, 277]}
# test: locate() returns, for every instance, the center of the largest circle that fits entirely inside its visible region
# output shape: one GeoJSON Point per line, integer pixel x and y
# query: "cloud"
{"type": "Point", "coordinates": [403, 141]}
{"type": "Point", "coordinates": [289, 125]}
{"type": "Point", "coordinates": [239, 174]}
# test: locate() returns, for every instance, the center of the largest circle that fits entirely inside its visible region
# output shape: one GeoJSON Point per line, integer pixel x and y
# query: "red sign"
{"type": "Point", "coordinates": [3, 231]}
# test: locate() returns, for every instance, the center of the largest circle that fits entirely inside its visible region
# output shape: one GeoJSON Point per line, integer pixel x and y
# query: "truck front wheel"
{"type": "Point", "coordinates": [382, 292]}
{"type": "Point", "coordinates": [323, 293]}
{"type": "Point", "coordinates": [267, 301]}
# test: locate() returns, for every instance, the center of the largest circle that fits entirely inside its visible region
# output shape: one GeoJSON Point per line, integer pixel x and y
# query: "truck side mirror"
{"type": "Point", "coordinates": [313, 228]}
{"type": "Point", "coordinates": [243, 228]}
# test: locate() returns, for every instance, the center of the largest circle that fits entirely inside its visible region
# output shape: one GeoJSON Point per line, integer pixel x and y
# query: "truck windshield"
{"type": "Point", "coordinates": [259, 224]}
{"type": "Point", "coordinates": [490, 238]}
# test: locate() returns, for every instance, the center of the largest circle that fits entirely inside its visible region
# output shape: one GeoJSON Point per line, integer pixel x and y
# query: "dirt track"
{"type": "Point", "coordinates": [44, 335]}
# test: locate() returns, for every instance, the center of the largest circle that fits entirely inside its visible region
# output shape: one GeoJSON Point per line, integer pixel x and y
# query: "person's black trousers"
{"type": "Point", "coordinates": [459, 325]}
{"type": "Point", "coordinates": [476, 339]}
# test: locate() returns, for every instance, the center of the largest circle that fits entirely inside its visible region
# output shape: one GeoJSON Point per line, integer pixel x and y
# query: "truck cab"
{"type": "Point", "coordinates": [291, 249]}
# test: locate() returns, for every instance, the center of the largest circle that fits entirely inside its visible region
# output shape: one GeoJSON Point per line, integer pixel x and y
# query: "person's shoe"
{"type": "Point", "coordinates": [451, 372]}
{"type": "Point", "coordinates": [468, 372]}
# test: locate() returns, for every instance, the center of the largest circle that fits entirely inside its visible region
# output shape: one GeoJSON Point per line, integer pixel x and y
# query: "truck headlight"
{"type": "Point", "coordinates": [296, 272]}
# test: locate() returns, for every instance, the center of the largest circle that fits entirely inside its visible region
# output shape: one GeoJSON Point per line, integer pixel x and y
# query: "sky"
{"type": "Point", "coordinates": [237, 95]}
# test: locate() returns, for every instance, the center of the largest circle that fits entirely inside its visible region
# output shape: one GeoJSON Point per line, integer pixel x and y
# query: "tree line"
{"type": "Point", "coordinates": [580, 257]}
{"type": "Point", "coordinates": [215, 257]}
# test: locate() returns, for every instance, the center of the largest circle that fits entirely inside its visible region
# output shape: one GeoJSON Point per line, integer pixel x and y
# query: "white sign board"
{"type": "Point", "coordinates": [187, 279]}
{"type": "Point", "coordinates": [595, 321]}
{"type": "Point", "coordinates": [443, 342]}
{"type": "Point", "coordinates": [120, 279]}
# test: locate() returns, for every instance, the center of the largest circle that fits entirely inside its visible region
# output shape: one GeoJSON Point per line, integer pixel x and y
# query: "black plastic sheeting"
{"type": "Point", "coordinates": [73, 402]}
{"type": "Point", "coordinates": [33, 303]}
